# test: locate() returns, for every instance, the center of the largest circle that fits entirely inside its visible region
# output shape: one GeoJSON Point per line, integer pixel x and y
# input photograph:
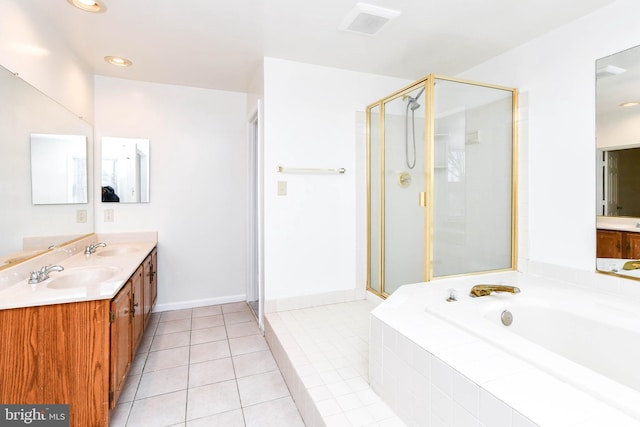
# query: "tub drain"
{"type": "Point", "coordinates": [506, 317]}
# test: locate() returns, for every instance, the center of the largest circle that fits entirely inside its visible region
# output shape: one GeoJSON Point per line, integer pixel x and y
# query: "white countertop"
{"type": "Point", "coordinates": [618, 223]}
{"type": "Point", "coordinates": [127, 258]}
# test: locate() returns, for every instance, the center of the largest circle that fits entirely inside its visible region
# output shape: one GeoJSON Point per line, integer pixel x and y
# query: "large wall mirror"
{"type": "Point", "coordinates": [125, 170]}
{"type": "Point", "coordinates": [27, 229]}
{"type": "Point", "coordinates": [618, 162]}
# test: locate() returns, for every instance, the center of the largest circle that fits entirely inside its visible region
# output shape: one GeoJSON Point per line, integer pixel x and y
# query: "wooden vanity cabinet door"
{"type": "Point", "coordinates": [148, 278]}
{"type": "Point", "coordinates": [154, 277]}
{"type": "Point", "coordinates": [121, 350]}
{"type": "Point", "coordinates": [137, 305]}
{"type": "Point", "coordinates": [609, 244]}
{"type": "Point", "coordinates": [632, 245]}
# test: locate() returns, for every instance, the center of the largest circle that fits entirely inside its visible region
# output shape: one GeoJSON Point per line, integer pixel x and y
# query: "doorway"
{"type": "Point", "coordinates": [255, 277]}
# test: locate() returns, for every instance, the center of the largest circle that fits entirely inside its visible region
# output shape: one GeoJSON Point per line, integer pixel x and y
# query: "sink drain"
{"type": "Point", "coordinates": [506, 317]}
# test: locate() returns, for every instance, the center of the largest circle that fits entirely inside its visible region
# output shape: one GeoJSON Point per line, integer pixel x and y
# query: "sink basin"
{"type": "Point", "coordinates": [81, 277]}
{"type": "Point", "coordinates": [122, 250]}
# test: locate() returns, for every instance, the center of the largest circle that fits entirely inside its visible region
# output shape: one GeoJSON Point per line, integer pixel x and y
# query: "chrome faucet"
{"type": "Point", "coordinates": [43, 274]}
{"type": "Point", "coordinates": [484, 290]}
{"type": "Point", "coordinates": [92, 248]}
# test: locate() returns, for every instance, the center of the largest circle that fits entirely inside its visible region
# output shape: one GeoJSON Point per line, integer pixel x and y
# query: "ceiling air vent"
{"type": "Point", "coordinates": [609, 70]}
{"type": "Point", "coordinates": [367, 19]}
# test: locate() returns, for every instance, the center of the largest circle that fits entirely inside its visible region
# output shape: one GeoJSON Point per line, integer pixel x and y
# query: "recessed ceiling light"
{"type": "Point", "coordinates": [367, 19]}
{"type": "Point", "coordinates": [95, 6]}
{"type": "Point", "coordinates": [118, 61]}
{"type": "Point", "coordinates": [630, 104]}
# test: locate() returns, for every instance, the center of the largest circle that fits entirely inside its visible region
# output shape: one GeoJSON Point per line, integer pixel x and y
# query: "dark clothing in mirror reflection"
{"type": "Point", "coordinates": [109, 194]}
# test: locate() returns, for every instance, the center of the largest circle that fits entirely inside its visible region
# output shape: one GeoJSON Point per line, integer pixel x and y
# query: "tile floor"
{"type": "Point", "coordinates": [207, 366]}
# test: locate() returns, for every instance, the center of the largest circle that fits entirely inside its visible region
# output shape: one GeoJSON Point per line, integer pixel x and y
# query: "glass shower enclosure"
{"type": "Point", "coordinates": [441, 182]}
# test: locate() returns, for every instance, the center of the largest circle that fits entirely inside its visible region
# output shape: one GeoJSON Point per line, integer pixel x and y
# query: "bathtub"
{"type": "Point", "coordinates": [587, 339]}
{"type": "Point", "coordinates": [569, 358]}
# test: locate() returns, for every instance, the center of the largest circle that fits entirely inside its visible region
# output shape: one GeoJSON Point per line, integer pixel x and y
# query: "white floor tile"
{"type": "Point", "coordinates": [250, 344]}
{"type": "Point", "coordinates": [172, 326]}
{"type": "Point", "coordinates": [274, 413]}
{"type": "Point", "coordinates": [233, 418]}
{"type": "Point", "coordinates": [210, 310]}
{"type": "Point", "coordinates": [163, 410]}
{"type": "Point", "coordinates": [207, 322]}
{"type": "Point", "coordinates": [165, 381]}
{"type": "Point", "coordinates": [175, 315]}
{"type": "Point", "coordinates": [172, 340]}
{"type": "Point", "coordinates": [238, 317]}
{"type": "Point", "coordinates": [234, 307]}
{"type": "Point", "coordinates": [261, 388]}
{"type": "Point", "coordinates": [213, 371]}
{"type": "Point", "coordinates": [217, 333]}
{"type": "Point", "coordinates": [212, 399]}
{"type": "Point", "coordinates": [254, 363]}
{"type": "Point", "coordinates": [243, 329]}
{"type": "Point", "coordinates": [209, 351]}
{"type": "Point", "coordinates": [164, 359]}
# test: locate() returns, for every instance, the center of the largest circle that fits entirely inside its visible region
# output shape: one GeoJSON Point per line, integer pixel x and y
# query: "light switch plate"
{"type": "Point", "coordinates": [108, 215]}
{"type": "Point", "coordinates": [282, 188]}
{"type": "Point", "coordinates": [81, 215]}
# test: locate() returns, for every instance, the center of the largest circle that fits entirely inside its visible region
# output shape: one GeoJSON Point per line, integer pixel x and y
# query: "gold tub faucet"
{"type": "Point", "coordinates": [484, 290]}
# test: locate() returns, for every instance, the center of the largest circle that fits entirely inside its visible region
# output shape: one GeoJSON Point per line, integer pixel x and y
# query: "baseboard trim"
{"type": "Point", "coordinates": [198, 303]}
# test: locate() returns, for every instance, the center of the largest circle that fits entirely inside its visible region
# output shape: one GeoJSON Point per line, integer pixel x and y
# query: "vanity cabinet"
{"type": "Point", "coordinates": [632, 245]}
{"type": "Point", "coordinates": [121, 340]}
{"type": "Point", "coordinates": [75, 353]}
{"type": "Point", "coordinates": [609, 244]}
{"type": "Point", "coordinates": [617, 244]}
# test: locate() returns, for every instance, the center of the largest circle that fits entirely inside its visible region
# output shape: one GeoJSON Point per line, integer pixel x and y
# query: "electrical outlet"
{"type": "Point", "coordinates": [282, 188]}
{"type": "Point", "coordinates": [81, 215]}
{"type": "Point", "coordinates": [108, 215]}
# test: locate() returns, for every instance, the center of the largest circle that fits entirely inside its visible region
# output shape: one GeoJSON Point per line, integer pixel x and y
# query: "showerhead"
{"type": "Point", "coordinates": [413, 100]}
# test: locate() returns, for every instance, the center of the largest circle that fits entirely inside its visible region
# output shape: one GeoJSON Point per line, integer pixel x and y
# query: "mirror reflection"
{"type": "Point", "coordinates": [27, 229]}
{"type": "Point", "coordinates": [58, 169]}
{"type": "Point", "coordinates": [125, 170]}
{"type": "Point", "coordinates": [617, 157]}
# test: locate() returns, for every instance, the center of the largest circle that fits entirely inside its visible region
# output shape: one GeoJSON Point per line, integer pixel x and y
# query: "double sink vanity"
{"type": "Point", "coordinates": [70, 338]}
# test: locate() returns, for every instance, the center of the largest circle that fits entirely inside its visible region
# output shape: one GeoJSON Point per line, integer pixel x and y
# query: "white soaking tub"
{"type": "Point", "coordinates": [569, 358]}
{"type": "Point", "coordinates": [587, 339]}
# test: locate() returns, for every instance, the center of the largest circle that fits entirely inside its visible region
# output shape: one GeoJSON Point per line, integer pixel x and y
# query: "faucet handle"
{"type": "Point", "coordinates": [34, 277]}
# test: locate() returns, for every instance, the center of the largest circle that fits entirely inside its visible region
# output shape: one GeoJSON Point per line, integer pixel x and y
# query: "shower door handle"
{"type": "Point", "coordinates": [422, 199]}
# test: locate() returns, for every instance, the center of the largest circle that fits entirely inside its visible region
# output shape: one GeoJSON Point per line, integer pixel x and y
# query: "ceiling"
{"type": "Point", "coordinates": [219, 44]}
{"type": "Point", "coordinates": [615, 89]}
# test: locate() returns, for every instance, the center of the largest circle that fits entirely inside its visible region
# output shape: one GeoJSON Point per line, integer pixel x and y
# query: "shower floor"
{"type": "Point", "coordinates": [323, 354]}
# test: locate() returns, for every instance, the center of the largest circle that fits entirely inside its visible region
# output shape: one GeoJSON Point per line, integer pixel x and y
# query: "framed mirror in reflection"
{"type": "Point", "coordinates": [617, 160]}
{"type": "Point", "coordinates": [58, 169]}
{"type": "Point", "coordinates": [125, 170]}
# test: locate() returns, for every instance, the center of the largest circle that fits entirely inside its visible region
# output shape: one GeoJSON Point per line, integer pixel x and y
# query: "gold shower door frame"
{"type": "Point", "coordinates": [427, 195]}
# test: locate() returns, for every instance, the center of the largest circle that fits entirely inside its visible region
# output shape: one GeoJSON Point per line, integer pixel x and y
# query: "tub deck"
{"type": "Point", "coordinates": [355, 364]}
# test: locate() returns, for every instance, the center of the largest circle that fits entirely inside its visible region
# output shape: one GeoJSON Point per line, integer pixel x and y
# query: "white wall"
{"type": "Point", "coordinates": [619, 129]}
{"type": "Point", "coordinates": [556, 75]}
{"type": "Point", "coordinates": [31, 47]}
{"type": "Point", "coordinates": [198, 183]}
{"type": "Point", "coordinates": [310, 122]}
